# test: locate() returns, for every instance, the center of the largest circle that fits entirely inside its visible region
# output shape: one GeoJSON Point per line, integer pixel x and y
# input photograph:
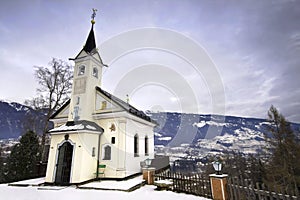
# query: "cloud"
{"type": "Point", "coordinates": [255, 46]}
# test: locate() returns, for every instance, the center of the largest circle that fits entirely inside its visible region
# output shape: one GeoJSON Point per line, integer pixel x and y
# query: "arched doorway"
{"type": "Point", "coordinates": [64, 164]}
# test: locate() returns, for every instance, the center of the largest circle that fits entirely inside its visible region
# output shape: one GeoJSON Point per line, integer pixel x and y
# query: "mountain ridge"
{"type": "Point", "coordinates": [191, 133]}
{"type": "Point", "coordinates": [16, 118]}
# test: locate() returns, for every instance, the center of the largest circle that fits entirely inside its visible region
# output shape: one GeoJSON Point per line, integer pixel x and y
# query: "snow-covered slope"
{"type": "Point", "coordinates": [179, 133]}
{"type": "Point", "coordinates": [14, 118]}
{"type": "Point", "coordinates": [193, 135]}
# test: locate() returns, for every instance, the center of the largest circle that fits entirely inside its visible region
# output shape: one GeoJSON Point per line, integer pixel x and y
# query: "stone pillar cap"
{"type": "Point", "coordinates": [218, 176]}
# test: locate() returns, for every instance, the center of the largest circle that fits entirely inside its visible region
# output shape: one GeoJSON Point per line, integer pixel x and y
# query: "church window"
{"type": "Point", "coordinates": [107, 152]}
{"type": "Point", "coordinates": [95, 72]}
{"type": "Point", "coordinates": [76, 113]}
{"type": "Point", "coordinates": [104, 105]}
{"type": "Point", "coordinates": [78, 101]}
{"type": "Point", "coordinates": [113, 140]}
{"type": "Point", "coordinates": [81, 70]}
{"type": "Point", "coordinates": [93, 152]}
{"type": "Point", "coordinates": [136, 146]}
{"type": "Point", "coordinates": [146, 146]}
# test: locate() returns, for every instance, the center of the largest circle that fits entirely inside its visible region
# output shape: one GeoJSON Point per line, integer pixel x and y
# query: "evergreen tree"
{"type": "Point", "coordinates": [24, 157]}
{"type": "Point", "coordinates": [1, 167]}
{"type": "Point", "coordinates": [256, 169]}
{"type": "Point", "coordinates": [284, 164]}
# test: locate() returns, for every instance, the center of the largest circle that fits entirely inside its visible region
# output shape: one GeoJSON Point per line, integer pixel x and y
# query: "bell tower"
{"type": "Point", "coordinates": [87, 75]}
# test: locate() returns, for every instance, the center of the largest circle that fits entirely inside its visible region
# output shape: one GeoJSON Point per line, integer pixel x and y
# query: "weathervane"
{"type": "Point", "coordinates": [93, 15]}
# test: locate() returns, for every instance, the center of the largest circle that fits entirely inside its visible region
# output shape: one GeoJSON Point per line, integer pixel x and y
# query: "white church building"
{"type": "Point", "coordinates": [95, 128]}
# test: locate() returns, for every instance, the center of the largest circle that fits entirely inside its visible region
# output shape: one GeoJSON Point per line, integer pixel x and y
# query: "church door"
{"type": "Point", "coordinates": [64, 164]}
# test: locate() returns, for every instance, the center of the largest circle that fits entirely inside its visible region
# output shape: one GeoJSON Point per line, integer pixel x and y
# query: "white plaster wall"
{"type": "Point", "coordinates": [87, 163]}
{"type": "Point", "coordinates": [55, 139]}
{"type": "Point", "coordinates": [123, 163]}
{"type": "Point", "coordinates": [133, 128]}
{"type": "Point", "coordinates": [117, 154]}
{"type": "Point", "coordinates": [88, 98]}
{"type": "Point", "coordinates": [84, 166]}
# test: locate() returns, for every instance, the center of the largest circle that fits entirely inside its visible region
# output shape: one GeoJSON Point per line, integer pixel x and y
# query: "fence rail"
{"type": "Point", "coordinates": [196, 184]}
{"type": "Point", "coordinates": [244, 189]}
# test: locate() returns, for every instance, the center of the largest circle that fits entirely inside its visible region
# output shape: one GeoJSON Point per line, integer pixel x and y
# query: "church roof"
{"type": "Point", "coordinates": [126, 106]}
{"type": "Point", "coordinates": [90, 44]}
{"type": "Point", "coordinates": [81, 125]}
{"type": "Point", "coordinates": [129, 108]}
{"type": "Point", "coordinates": [60, 109]}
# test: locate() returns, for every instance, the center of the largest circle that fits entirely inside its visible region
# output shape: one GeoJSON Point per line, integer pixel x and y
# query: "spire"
{"type": "Point", "coordinates": [90, 44]}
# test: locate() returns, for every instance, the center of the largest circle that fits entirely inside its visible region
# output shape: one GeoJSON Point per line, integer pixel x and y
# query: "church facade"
{"type": "Point", "coordinates": [95, 128]}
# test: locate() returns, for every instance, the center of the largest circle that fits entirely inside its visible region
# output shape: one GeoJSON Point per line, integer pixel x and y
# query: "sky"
{"type": "Point", "coordinates": [194, 56]}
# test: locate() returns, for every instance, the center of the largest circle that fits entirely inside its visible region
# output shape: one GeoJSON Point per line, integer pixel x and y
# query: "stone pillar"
{"type": "Point", "coordinates": [218, 186]}
{"type": "Point", "coordinates": [148, 175]}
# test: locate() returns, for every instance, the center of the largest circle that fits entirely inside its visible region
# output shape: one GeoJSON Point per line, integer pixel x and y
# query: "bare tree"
{"type": "Point", "coordinates": [55, 83]}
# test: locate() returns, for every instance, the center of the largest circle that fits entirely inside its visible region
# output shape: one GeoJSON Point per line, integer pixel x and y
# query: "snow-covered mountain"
{"type": "Point", "coordinates": [192, 135]}
{"type": "Point", "coordinates": [15, 118]}
{"type": "Point", "coordinates": [179, 134]}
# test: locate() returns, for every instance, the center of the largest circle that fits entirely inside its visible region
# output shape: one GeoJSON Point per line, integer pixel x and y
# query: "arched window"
{"type": "Point", "coordinates": [95, 72]}
{"type": "Point", "coordinates": [81, 70]}
{"type": "Point", "coordinates": [136, 145]}
{"type": "Point", "coordinates": [146, 146]}
{"type": "Point", "coordinates": [93, 152]}
{"type": "Point", "coordinates": [106, 152]}
{"type": "Point", "coordinates": [78, 101]}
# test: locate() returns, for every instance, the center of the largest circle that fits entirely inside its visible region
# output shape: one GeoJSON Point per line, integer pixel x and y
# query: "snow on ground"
{"type": "Point", "coordinates": [115, 185]}
{"type": "Point", "coordinates": [200, 124]}
{"type": "Point", "coordinates": [165, 138]}
{"type": "Point", "coordinates": [36, 181]}
{"type": "Point", "coordinates": [157, 134]}
{"type": "Point", "coordinates": [36, 193]}
{"type": "Point", "coordinates": [213, 123]}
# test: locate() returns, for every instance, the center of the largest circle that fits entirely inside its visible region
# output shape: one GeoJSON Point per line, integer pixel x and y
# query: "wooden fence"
{"type": "Point", "coordinates": [196, 184]}
{"type": "Point", "coordinates": [241, 189]}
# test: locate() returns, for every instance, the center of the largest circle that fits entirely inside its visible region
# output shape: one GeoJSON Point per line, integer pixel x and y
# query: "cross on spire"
{"type": "Point", "coordinates": [93, 15]}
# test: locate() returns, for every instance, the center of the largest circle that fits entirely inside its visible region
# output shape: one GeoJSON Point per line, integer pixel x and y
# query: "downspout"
{"type": "Point", "coordinates": [125, 157]}
{"type": "Point", "coordinates": [98, 162]}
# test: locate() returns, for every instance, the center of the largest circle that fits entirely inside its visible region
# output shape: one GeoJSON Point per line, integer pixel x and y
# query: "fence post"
{"type": "Point", "coordinates": [218, 186]}
{"type": "Point", "coordinates": [148, 175]}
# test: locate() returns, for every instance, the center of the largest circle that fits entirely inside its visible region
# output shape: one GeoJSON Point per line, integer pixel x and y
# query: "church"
{"type": "Point", "coordinates": [95, 133]}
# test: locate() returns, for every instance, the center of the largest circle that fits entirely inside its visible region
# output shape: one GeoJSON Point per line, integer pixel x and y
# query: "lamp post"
{"type": "Point", "coordinates": [217, 166]}
{"type": "Point", "coordinates": [148, 172]}
{"type": "Point", "coordinates": [218, 182]}
{"type": "Point", "coordinates": [148, 162]}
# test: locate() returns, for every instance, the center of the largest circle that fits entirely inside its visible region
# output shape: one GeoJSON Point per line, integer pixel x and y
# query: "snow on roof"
{"type": "Point", "coordinates": [68, 128]}
{"type": "Point", "coordinates": [78, 126]}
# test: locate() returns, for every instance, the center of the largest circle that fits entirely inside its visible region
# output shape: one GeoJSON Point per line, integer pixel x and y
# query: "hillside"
{"type": "Point", "coordinates": [195, 136]}
{"type": "Point", "coordinates": [179, 134]}
{"type": "Point", "coordinates": [15, 119]}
